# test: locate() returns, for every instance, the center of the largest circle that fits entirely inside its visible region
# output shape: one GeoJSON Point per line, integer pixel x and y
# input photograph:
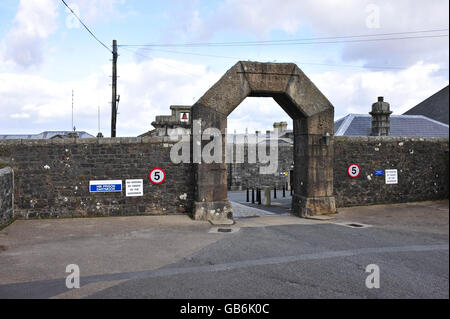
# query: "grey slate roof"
{"type": "Point", "coordinates": [434, 107]}
{"type": "Point", "coordinates": [401, 125]}
{"type": "Point", "coordinates": [43, 135]}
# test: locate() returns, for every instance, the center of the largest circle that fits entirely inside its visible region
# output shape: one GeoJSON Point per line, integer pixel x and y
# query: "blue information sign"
{"type": "Point", "coordinates": [379, 172]}
{"type": "Point", "coordinates": [105, 186]}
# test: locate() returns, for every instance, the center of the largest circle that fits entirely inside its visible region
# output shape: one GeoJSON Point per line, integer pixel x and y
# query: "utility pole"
{"type": "Point", "coordinates": [72, 128]}
{"type": "Point", "coordinates": [114, 90]}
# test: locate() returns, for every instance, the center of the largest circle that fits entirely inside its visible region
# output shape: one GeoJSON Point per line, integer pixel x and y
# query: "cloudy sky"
{"type": "Point", "coordinates": [45, 54]}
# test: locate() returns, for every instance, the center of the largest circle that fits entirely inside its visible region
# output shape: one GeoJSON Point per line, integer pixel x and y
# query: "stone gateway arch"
{"type": "Point", "coordinates": [313, 118]}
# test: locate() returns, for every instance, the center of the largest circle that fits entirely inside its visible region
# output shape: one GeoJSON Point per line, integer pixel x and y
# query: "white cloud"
{"type": "Point", "coordinates": [355, 92]}
{"type": "Point", "coordinates": [93, 11]}
{"type": "Point", "coordinates": [327, 18]}
{"type": "Point", "coordinates": [31, 103]}
{"type": "Point", "coordinates": [34, 22]}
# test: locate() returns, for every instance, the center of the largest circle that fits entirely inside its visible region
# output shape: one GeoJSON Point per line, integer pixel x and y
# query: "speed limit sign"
{"type": "Point", "coordinates": [157, 176]}
{"type": "Point", "coordinates": [353, 170]}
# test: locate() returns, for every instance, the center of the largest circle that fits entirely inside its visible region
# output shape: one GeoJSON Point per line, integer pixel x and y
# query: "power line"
{"type": "Point", "coordinates": [92, 34]}
{"type": "Point", "coordinates": [305, 63]}
{"type": "Point", "coordinates": [301, 41]}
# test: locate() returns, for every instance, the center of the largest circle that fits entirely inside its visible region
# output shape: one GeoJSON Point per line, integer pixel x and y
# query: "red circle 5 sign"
{"type": "Point", "coordinates": [157, 175]}
{"type": "Point", "coordinates": [353, 170]}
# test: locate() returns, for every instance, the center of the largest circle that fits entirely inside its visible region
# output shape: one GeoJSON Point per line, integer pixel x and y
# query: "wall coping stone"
{"type": "Point", "coordinates": [115, 140]}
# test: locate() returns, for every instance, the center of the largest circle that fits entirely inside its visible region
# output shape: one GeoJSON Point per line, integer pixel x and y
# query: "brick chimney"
{"type": "Point", "coordinates": [380, 118]}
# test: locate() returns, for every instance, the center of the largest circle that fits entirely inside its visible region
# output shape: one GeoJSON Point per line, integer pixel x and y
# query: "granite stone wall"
{"type": "Point", "coordinates": [421, 163]}
{"type": "Point", "coordinates": [52, 177]}
{"type": "Point", "coordinates": [243, 175]}
{"type": "Point", "coordinates": [6, 195]}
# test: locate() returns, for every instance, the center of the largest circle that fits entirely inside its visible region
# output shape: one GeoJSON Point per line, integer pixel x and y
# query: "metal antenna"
{"type": "Point", "coordinates": [73, 127]}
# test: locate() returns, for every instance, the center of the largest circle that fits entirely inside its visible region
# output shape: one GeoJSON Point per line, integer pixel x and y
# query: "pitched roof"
{"type": "Point", "coordinates": [434, 107]}
{"type": "Point", "coordinates": [401, 125]}
{"type": "Point", "coordinates": [43, 135]}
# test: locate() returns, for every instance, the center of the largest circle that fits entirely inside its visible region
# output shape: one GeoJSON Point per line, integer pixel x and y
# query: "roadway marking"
{"type": "Point", "coordinates": [50, 288]}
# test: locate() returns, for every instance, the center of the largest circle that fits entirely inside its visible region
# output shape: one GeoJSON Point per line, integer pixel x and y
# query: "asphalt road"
{"type": "Point", "coordinates": [262, 257]}
{"type": "Point", "coordinates": [280, 205]}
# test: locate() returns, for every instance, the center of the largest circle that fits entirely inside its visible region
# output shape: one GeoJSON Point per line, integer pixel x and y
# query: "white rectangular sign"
{"type": "Point", "coordinates": [134, 187]}
{"type": "Point", "coordinates": [391, 176]}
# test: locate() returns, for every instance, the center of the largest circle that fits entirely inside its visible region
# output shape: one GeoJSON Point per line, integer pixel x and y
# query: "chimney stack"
{"type": "Point", "coordinates": [380, 118]}
{"type": "Point", "coordinates": [279, 127]}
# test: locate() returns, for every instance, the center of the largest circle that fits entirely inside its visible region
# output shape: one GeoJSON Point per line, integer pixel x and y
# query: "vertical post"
{"type": "Point", "coordinates": [284, 191]}
{"type": "Point", "coordinates": [275, 191]}
{"type": "Point", "coordinates": [114, 90]}
{"type": "Point", "coordinates": [247, 199]}
{"type": "Point", "coordinates": [72, 113]}
{"type": "Point", "coordinates": [259, 196]}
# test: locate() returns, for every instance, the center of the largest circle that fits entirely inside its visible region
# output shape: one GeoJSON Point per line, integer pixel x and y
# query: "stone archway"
{"type": "Point", "coordinates": [313, 118]}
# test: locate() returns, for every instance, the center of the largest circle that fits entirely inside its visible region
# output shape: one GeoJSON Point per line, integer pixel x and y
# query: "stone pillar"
{"type": "Point", "coordinates": [313, 168]}
{"type": "Point", "coordinates": [211, 201]}
{"type": "Point", "coordinates": [380, 118]}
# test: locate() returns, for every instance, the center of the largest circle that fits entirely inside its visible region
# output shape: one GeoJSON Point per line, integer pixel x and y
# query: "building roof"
{"type": "Point", "coordinates": [434, 107]}
{"type": "Point", "coordinates": [401, 125]}
{"type": "Point", "coordinates": [44, 135]}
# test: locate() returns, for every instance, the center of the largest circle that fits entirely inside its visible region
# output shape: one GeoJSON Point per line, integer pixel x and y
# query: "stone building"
{"type": "Point", "coordinates": [46, 135]}
{"type": "Point", "coordinates": [176, 124]}
{"type": "Point", "coordinates": [378, 122]}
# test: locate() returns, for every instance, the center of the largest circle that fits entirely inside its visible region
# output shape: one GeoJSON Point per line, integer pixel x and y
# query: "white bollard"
{"type": "Point", "coordinates": [266, 196]}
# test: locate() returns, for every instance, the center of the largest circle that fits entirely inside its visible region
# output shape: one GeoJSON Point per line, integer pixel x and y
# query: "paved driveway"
{"type": "Point", "coordinates": [260, 257]}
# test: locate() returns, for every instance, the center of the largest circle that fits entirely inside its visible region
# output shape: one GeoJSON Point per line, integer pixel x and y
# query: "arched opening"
{"type": "Point", "coordinates": [312, 115]}
{"type": "Point", "coordinates": [257, 125]}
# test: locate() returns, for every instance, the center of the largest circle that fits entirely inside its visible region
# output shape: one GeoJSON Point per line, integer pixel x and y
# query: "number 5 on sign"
{"type": "Point", "coordinates": [353, 170]}
{"type": "Point", "coordinates": [157, 175]}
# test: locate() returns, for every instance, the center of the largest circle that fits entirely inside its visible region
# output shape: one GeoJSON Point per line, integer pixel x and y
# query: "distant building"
{"type": "Point", "coordinates": [435, 107]}
{"type": "Point", "coordinates": [178, 123]}
{"type": "Point", "coordinates": [46, 135]}
{"type": "Point", "coordinates": [380, 122]}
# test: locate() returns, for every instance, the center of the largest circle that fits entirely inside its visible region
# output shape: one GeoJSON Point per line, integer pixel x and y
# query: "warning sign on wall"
{"type": "Point", "coordinates": [391, 176]}
{"type": "Point", "coordinates": [134, 187]}
{"type": "Point", "coordinates": [184, 117]}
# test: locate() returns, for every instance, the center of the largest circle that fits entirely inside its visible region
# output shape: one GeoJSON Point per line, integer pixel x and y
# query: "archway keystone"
{"type": "Point", "coordinates": [313, 118]}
